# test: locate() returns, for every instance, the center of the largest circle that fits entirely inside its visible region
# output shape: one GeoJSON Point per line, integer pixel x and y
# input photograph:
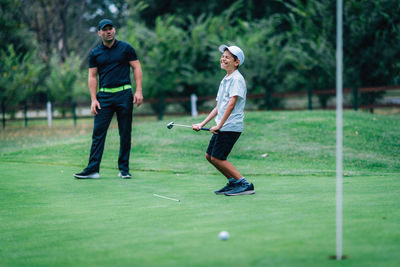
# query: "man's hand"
{"type": "Point", "coordinates": [95, 105]}
{"type": "Point", "coordinates": [138, 98]}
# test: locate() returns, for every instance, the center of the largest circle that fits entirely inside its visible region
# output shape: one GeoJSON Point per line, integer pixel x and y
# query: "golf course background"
{"type": "Point", "coordinates": [48, 218]}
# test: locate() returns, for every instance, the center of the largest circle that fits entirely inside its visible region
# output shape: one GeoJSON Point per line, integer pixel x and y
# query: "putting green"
{"type": "Point", "coordinates": [49, 218]}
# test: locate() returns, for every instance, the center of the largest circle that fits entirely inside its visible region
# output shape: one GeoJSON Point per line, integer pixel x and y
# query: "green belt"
{"type": "Point", "coordinates": [116, 89]}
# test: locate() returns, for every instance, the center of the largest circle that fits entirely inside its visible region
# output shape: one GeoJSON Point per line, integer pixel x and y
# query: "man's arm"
{"type": "Point", "coordinates": [138, 75]}
{"type": "Point", "coordinates": [93, 90]}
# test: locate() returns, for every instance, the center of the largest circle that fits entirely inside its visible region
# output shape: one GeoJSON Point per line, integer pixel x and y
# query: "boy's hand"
{"type": "Point", "coordinates": [215, 129]}
{"type": "Point", "coordinates": [197, 127]}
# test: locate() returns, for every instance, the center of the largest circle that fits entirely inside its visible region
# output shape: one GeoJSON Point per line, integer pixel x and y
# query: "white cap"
{"type": "Point", "coordinates": [235, 50]}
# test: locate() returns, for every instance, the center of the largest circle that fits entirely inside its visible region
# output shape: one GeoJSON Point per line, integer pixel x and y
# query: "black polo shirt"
{"type": "Point", "coordinates": [112, 63]}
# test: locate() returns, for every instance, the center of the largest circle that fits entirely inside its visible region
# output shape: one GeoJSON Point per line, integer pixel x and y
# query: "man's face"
{"type": "Point", "coordinates": [107, 34]}
{"type": "Point", "coordinates": [228, 62]}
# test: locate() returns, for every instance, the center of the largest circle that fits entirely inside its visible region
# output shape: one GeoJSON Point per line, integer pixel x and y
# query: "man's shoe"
{"type": "Point", "coordinates": [241, 189]}
{"type": "Point", "coordinates": [124, 175]}
{"type": "Point", "coordinates": [87, 175]}
{"type": "Point", "coordinates": [228, 187]}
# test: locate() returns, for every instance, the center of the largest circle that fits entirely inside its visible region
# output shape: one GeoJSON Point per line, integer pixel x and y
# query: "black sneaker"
{"type": "Point", "coordinates": [124, 175]}
{"type": "Point", "coordinates": [87, 175]}
{"type": "Point", "coordinates": [228, 187]}
{"type": "Point", "coordinates": [241, 189]}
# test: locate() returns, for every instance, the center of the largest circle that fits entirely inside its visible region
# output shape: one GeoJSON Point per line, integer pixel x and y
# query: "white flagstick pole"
{"type": "Point", "coordinates": [339, 128]}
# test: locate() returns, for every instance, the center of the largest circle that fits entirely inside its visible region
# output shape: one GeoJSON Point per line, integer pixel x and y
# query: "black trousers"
{"type": "Point", "coordinates": [120, 103]}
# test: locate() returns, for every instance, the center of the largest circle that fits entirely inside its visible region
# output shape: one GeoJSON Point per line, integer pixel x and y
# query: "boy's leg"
{"type": "Point", "coordinates": [124, 104]}
{"type": "Point", "coordinates": [208, 157]}
{"type": "Point", "coordinates": [101, 123]}
{"type": "Point", "coordinates": [226, 168]}
{"type": "Point", "coordinates": [220, 165]}
{"type": "Point", "coordinates": [217, 153]}
{"type": "Point", "coordinates": [220, 145]}
{"type": "Point", "coordinates": [218, 150]}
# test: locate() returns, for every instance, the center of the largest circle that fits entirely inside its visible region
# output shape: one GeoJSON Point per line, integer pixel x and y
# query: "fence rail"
{"type": "Point", "coordinates": [265, 96]}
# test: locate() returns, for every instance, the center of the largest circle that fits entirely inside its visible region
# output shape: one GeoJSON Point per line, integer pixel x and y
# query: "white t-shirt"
{"type": "Point", "coordinates": [232, 85]}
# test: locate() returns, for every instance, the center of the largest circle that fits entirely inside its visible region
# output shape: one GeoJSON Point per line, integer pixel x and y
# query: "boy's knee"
{"type": "Point", "coordinates": [208, 157]}
{"type": "Point", "coordinates": [215, 160]}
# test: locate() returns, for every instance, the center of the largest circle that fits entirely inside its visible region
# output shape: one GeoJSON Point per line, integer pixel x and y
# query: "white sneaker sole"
{"type": "Point", "coordinates": [249, 192]}
{"type": "Point", "coordinates": [90, 176]}
{"type": "Point", "coordinates": [124, 177]}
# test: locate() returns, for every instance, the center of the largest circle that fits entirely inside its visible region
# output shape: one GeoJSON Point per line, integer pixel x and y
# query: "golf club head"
{"type": "Point", "coordinates": [171, 124]}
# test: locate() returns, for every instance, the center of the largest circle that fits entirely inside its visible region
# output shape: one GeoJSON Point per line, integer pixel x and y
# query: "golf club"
{"type": "Point", "coordinates": [172, 124]}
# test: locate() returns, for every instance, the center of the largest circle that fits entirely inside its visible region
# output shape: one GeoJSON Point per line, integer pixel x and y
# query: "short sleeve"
{"type": "Point", "coordinates": [131, 53]}
{"type": "Point", "coordinates": [92, 60]}
{"type": "Point", "coordinates": [237, 88]}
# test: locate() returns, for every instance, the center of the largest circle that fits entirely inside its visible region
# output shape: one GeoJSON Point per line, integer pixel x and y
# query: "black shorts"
{"type": "Point", "coordinates": [221, 144]}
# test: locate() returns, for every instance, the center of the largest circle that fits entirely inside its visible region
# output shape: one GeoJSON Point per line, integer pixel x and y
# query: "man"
{"type": "Point", "coordinates": [109, 66]}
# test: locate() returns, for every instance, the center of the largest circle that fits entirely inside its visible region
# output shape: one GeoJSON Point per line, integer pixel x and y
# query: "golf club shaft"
{"type": "Point", "coordinates": [188, 126]}
{"type": "Point", "coordinates": [203, 129]}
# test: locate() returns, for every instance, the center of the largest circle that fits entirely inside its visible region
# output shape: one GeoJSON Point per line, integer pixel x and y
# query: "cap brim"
{"type": "Point", "coordinates": [222, 48]}
{"type": "Point", "coordinates": [107, 25]}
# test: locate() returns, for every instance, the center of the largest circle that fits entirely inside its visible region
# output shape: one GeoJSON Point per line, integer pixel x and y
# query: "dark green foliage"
{"type": "Point", "coordinates": [372, 53]}
{"type": "Point", "coordinates": [19, 73]}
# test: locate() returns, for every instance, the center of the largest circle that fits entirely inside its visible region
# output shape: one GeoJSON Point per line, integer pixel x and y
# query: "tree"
{"type": "Point", "coordinates": [13, 31]}
{"type": "Point", "coordinates": [63, 26]}
{"type": "Point", "coordinates": [18, 76]}
{"type": "Point", "coordinates": [251, 9]}
{"type": "Point", "coordinates": [371, 45]}
{"type": "Point", "coordinates": [289, 45]}
{"type": "Point", "coordinates": [62, 30]}
{"type": "Point", "coordinates": [311, 34]}
{"type": "Point", "coordinates": [180, 56]}
{"type": "Point", "coordinates": [63, 83]}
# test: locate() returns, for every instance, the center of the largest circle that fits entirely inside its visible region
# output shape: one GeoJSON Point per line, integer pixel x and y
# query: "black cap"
{"type": "Point", "coordinates": [103, 23]}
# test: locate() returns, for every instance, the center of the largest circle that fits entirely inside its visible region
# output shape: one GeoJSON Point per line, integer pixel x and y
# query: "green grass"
{"type": "Point", "coordinates": [47, 218]}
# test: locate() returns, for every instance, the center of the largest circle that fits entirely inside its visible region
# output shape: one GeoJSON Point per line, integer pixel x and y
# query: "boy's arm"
{"type": "Point", "coordinates": [211, 115]}
{"type": "Point", "coordinates": [227, 113]}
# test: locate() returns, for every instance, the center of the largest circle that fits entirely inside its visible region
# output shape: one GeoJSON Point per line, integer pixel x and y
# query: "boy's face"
{"type": "Point", "coordinates": [228, 62]}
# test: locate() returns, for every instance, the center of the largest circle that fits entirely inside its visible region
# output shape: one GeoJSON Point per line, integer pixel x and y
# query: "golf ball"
{"type": "Point", "coordinates": [223, 235]}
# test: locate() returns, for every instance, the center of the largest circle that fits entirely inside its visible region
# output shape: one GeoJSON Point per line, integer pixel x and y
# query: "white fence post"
{"type": "Point", "coordinates": [193, 101]}
{"type": "Point", "coordinates": [49, 114]}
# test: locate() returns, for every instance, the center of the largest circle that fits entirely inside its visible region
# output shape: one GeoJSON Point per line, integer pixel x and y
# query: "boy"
{"type": "Point", "coordinates": [229, 112]}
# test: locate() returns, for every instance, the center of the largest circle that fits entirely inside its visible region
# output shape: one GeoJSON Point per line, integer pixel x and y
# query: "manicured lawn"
{"type": "Point", "coordinates": [48, 218]}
